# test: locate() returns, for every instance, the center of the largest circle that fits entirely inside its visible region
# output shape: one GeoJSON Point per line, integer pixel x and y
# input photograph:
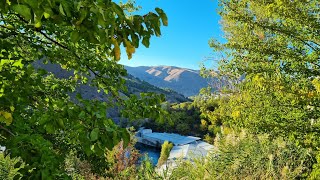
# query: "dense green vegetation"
{"type": "Point", "coordinates": [265, 125]}
{"type": "Point", "coordinates": [189, 118]}
{"type": "Point", "coordinates": [183, 119]}
{"type": "Point", "coordinates": [271, 59]}
{"type": "Point", "coordinates": [246, 156]}
{"type": "Point", "coordinates": [137, 86]}
{"type": "Point", "coordinates": [39, 121]}
{"type": "Point", "coordinates": [9, 168]}
{"type": "Point", "coordinates": [275, 46]}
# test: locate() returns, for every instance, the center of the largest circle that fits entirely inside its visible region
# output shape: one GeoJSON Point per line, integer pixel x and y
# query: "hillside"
{"type": "Point", "coordinates": [185, 81]}
{"type": "Point", "coordinates": [134, 85]}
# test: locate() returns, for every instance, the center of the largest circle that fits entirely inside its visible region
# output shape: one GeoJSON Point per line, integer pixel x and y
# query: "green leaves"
{"type": "Point", "coordinates": [125, 137]}
{"type": "Point", "coordinates": [46, 15]}
{"type": "Point", "coordinates": [32, 3]}
{"type": "Point", "coordinates": [118, 10]}
{"type": "Point", "coordinates": [146, 41]}
{"type": "Point", "coordinates": [49, 120]}
{"type": "Point", "coordinates": [75, 36]}
{"type": "Point", "coordinates": [151, 107]}
{"type": "Point", "coordinates": [270, 59]}
{"type": "Point", "coordinates": [23, 10]}
{"type": "Point", "coordinates": [100, 27]}
{"type": "Point", "coordinates": [94, 135]}
{"type": "Point", "coordinates": [61, 10]}
{"type": "Point", "coordinates": [38, 24]}
{"type": "Point", "coordinates": [163, 16]}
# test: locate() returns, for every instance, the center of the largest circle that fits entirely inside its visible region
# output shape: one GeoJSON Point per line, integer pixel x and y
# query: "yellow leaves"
{"type": "Point", "coordinates": [284, 172]}
{"type": "Point", "coordinates": [116, 49]}
{"type": "Point", "coordinates": [38, 24]}
{"type": "Point", "coordinates": [77, 76]}
{"type": "Point", "coordinates": [204, 124]}
{"type": "Point", "coordinates": [258, 80]}
{"type": "Point", "coordinates": [261, 35]}
{"type": "Point", "coordinates": [130, 49]}
{"type": "Point", "coordinates": [316, 84]}
{"type": "Point", "coordinates": [310, 94]}
{"type": "Point", "coordinates": [46, 15]}
{"type": "Point", "coordinates": [6, 117]}
{"type": "Point", "coordinates": [64, 66]}
{"type": "Point", "coordinates": [235, 114]}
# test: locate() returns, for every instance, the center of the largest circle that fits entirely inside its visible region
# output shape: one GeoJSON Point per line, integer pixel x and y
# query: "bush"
{"type": "Point", "coordinates": [246, 156]}
{"type": "Point", "coordinates": [165, 152]}
{"type": "Point", "coordinates": [122, 161]}
{"type": "Point", "coordinates": [315, 174]}
{"type": "Point", "coordinates": [146, 170]}
{"type": "Point", "coordinates": [9, 168]}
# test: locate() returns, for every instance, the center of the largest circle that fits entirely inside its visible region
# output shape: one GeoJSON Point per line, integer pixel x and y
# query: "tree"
{"type": "Point", "coordinates": [276, 47]}
{"type": "Point", "coordinates": [39, 120]}
{"type": "Point", "coordinates": [272, 58]}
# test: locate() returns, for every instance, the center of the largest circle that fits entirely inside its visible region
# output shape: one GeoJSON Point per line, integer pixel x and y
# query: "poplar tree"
{"type": "Point", "coordinates": [273, 47]}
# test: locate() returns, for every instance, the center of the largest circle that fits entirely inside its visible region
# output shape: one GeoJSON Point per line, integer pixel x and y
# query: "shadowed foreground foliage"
{"type": "Point", "coordinates": [39, 119]}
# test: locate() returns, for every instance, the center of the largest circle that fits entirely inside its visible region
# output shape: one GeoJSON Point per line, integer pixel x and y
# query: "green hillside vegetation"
{"type": "Point", "coordinates": [189, 118]}
{"type": "Point", "coordinates": [136, 86]}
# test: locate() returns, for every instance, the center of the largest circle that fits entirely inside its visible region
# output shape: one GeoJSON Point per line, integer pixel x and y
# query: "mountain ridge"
{"type": "Point", "coordinates": [182, 80]}
{"type": "Point", "coordinates": [134, 84]}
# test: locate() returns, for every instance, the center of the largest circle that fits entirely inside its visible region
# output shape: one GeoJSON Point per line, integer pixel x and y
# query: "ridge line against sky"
{"type": "Point", "coordinates": [184, 43]}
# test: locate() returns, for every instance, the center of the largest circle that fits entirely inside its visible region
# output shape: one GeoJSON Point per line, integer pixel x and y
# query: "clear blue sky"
{"type": "Point", "coordinates": [184, 42]}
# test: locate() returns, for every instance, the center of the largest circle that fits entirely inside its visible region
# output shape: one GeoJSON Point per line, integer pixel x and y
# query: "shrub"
{"type": "Point", "coordinates": [165, 152]}
{"type": "Point", "coordinates": [122, 161]}
{"type": "Point", "coordinates": [9, 168]}
{"type": "Point", "coordinates": [315, 174]}
{"type": "Point", "coordinates": [246, 156]}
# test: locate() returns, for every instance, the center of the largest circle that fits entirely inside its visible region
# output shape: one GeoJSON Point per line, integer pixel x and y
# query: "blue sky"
{"type": "Point", "coordinates": [184, 42]}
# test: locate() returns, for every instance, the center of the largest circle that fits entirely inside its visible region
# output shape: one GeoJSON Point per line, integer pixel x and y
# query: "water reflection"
{"type": "Point", "coordinates": [152, 152]}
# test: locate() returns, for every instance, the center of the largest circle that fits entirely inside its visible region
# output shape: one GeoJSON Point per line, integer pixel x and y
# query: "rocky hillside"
{"type": "Point", "coordinates": [135, 85]}
{"type": "Point", "coordinates": [185, 81]}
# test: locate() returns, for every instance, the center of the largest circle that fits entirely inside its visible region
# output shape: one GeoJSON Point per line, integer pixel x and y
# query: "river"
{"type": "Point", "coordinates": [152, 152]}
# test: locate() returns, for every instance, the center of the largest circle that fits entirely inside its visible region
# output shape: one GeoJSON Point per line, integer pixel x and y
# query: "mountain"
{"type": "Point", "coordinates": [182, 80]}
{"type": "Point", "coordinates": [134, 85]}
